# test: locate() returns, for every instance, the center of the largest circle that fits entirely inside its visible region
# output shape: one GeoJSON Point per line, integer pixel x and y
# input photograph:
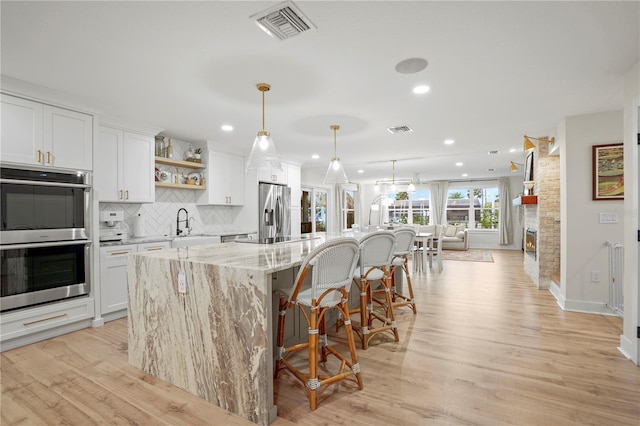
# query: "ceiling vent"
{"type": "Point", "coordinates": [399, 129]}
{"type": "Point", "coordinates": [283, 20]}
{"type": "Point", "coordinates": [495, 152]}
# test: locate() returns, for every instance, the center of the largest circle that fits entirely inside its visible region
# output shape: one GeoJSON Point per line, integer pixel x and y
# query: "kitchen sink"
{"type": "Point", "coordinates": [194, 240]}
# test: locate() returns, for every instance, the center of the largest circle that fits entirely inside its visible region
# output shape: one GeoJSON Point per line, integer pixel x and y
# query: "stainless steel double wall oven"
{"type": "Point", "coordinates": [44, 239]}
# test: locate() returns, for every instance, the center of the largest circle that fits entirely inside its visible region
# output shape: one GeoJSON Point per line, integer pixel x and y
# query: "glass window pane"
{"type": "Point", "coordinates": [321, 211]}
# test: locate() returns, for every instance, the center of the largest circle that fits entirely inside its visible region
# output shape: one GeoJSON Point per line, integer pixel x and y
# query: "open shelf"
{"type": "Point", "coordinates": [179, 163]}
{"type": "Point", "coordinates": [525, 199]}
{"type": "Point", "coordinates": [179, 186]}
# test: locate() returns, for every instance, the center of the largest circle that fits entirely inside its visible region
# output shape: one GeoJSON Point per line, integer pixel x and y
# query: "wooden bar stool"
{"type": "Point", "coordinates": [332, 265]}
{"type": "Point", "coordinates": [405, 239]}
{"type": "Point", "coordinates": [376, 252]}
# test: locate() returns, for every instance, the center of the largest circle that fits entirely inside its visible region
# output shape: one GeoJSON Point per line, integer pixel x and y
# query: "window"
{"type": "Point", "coordinates": [409, 207]}
{"type": "Point", "coordinates": [348, 208]}
{"type": "Point", "coordinates": [476, 208]}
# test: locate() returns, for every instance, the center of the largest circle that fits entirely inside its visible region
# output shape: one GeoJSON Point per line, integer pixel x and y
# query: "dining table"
{"type": "Point", "coordinates": [423, 239]}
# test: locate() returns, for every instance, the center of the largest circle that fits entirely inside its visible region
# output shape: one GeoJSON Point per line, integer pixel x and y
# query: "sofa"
{"type": "Point", "coordinates": [455, 237]}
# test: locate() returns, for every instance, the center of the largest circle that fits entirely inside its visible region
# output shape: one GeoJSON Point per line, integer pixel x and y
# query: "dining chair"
{"type": "Point", "coordinates": [331, 266]}
{"type": "Point", "coordinates": [435, 250]}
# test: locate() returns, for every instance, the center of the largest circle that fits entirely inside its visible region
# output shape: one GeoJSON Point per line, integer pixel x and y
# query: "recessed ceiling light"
{"type": "Point", "coordinates": [458, 164]}
{"type": "Point", "coordinates": [465, 174]}
{"type": "Point", "coordinates": [419, 90]}
{"type": "Point", "coordinates": [360, 171]}
{"type": "Point", "coordinates": [512, 150]}
{"type": "Point", "coordinates": [315, 156]}
{"type": "Point", "coordinates": [227, 127]}
{"type": "Point", "coordinates": [449, 142]}
{"type": "Point", "coordinates": [411, 65]}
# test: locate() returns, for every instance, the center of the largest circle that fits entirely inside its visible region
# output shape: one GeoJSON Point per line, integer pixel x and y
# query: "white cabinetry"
{"type": "Point", "coordinates": [44, 135]}
{"type": "Point", "coordinates": [225, 179]}
{"type": "Point", "coordinates": [293, 180]}
{"type": "Point", "coordinates": [271, 175]}
{"type": "Point", "coordinates": [124, 166]}
{"type": "Point", "coordinates": [42, 322]}
{"type": "Point", "coordinates": [113, 274]}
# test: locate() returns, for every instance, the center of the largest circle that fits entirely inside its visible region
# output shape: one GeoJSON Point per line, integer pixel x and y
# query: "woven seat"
{"type": "Point", "coordinates": [405, 239]}
{"type": "Point", "coordinates": [376, 252]}
{"type": "Point", "coordinates": [332, 265]}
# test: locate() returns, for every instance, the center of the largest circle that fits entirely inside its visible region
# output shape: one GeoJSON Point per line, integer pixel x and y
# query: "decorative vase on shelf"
{"type": "Point", "coordinates": [529, 186]}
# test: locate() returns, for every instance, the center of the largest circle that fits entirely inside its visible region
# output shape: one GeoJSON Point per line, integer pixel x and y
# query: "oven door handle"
{"type": "Point", "coordinates": [49, 244]}
{"type": "Point", "coordinates": [40, 183]}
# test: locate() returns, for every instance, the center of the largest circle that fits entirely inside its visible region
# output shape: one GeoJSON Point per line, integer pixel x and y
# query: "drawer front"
{"type": "Point", "coordinates": [45, 317]}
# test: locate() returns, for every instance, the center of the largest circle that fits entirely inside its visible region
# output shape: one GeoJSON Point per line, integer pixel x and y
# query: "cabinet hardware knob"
{"type": "Point", "coordinates": [48, 157]}
{"type": "Point", "coordinates": [126, 194]}
{"type": "Point", "coordinates": [39, 156]}
{"type": "Point", "coordinates": [44, 319]}
{"type": "Point", "coordinates": [120, 197]}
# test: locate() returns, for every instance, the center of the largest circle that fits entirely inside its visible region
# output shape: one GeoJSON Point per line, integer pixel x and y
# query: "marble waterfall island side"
{"type": "Point", "coordinates": [216, 339]}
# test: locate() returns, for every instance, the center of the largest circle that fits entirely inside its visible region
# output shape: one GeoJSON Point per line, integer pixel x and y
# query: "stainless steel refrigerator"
{"type": "Point", "coordinates": [275, 213]}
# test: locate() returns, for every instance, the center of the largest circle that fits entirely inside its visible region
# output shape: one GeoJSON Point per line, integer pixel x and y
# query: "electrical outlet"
{"type": "Point", "coordinates": [182, 283]}
{"type": "Point", "coordinates": [595, 276]}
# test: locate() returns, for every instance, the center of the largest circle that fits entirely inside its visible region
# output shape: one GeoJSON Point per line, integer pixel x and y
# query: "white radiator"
{"type": "Point", "coordinates": [616, 281]}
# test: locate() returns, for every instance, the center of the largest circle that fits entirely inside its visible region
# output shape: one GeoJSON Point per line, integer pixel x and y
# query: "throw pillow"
{"type": "Point", "coordinates": [460, 228]}
{"type": "Point", "coordinates": [450, 231]}
{"type": "Point", "coordinates": [460, 235]}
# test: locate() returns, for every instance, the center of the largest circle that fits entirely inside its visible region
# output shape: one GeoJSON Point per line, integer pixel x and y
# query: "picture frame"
{"type": "Point", "coordinates": [608, 172]}
{"type": "Point", "coordinates": [528, 167]}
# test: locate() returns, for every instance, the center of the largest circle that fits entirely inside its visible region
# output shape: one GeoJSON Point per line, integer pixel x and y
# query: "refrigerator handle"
{"type": "Point", "coordinates": [268, 217]}
{"type": "Point", "coordinates": [279, 216]}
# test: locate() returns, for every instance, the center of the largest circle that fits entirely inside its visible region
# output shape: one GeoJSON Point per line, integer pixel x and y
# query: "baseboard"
{"type": "Point", "coordinates": [628, 349]}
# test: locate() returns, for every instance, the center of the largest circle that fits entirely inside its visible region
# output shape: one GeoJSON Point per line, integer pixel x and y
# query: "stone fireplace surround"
{"type": "Point", "coordinates": [543, 218]}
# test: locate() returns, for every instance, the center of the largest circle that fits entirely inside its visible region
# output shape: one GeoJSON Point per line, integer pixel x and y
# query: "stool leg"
{"type": "Point", "coordinates": [312, 382]}
{"type": "Point", "coordinates": [405, 267]}
{"type": "Point", "coordinates": [355, 367]}
{"type": "Point", "coordinates": [364, 314]}
{"type": "Point", "coordinates": [282, 310]}
{"type": "Point", "coordinates": [390, 314]}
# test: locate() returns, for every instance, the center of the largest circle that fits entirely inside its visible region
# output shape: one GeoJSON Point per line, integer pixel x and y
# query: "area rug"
{"type": "Point", "coordinates": [470, 255]}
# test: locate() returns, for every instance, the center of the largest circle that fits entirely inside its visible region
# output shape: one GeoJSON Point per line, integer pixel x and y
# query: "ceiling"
{"type": "Point", "coordinates": [497, 71]}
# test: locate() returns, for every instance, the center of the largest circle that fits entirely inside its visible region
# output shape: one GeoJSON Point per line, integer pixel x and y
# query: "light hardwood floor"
{"type": "Point", "coordinates": [486, 348]}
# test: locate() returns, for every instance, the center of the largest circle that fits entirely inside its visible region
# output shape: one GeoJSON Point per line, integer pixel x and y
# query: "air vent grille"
{"type": "Point", "coordinates": [283, 21]}
{"type": "Point", "coordinates": [400, 129]}
{"type": "Point", "coordinates": [494, 152]}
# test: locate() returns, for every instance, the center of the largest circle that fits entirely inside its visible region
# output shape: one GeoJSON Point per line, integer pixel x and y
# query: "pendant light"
{"type": "Point", "coordinates": [393, 182]}
{"type": "Point", "coordinates": [335, 172]}
{"type": "Point", "coordinates": [263, 152]}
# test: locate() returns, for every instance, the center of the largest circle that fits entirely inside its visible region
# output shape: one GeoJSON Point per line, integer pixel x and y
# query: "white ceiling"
{"type": "Point", "coordinates": [497, 71]}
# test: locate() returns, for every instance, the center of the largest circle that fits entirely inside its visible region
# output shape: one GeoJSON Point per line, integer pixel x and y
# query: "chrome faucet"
{"type": "Point", "coordinates": [185, 220]}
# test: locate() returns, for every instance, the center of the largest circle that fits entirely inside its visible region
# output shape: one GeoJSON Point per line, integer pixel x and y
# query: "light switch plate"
{"type": "Point", "coordinates": [608, 217]}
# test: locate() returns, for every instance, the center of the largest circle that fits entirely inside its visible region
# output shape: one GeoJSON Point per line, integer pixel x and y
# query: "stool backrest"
{"type": "Point", "coordinates": [376, 250]}
{"type": "Point", "coordinates": [405, 238]}
{"type": "Point", "coordinates": [332, 265]}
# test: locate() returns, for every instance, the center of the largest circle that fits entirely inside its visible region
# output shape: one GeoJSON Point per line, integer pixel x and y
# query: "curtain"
{"type": "Point", "coordinates": [336, 212]}
{"type": "Point", "coordinates": [505, 223]}
{"type": "Point", "coordinates": [438, 199]}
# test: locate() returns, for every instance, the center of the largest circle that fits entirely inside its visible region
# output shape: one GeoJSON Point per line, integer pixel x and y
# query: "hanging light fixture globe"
{"type": "Point", "coordinates": [335, 172]}
{"type": "Point", "coordinates": [263, 151]}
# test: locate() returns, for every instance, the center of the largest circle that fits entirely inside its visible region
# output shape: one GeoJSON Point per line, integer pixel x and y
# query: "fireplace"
{"type": "Point", "coordinates": [530, 242]}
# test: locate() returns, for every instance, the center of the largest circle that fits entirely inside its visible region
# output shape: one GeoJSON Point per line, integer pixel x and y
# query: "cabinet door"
{"type": "Point", "coordinates": [138, 168]}
{"type": "Point", "coordinates": [107, 176]}
{"type": "Point", "coordinates": [270, 175]}
{"type": "Point", "coordinates": [293, 181]}
{"type": "Point", "coordinates": [161, 245]}
{"type": "Point", "coordinates": [113, 277]}
{"type": "Point", "coordinates": [68, 138]}
{"type": "Point", "coordinates": [225, 183]}
{"type": "Point", "coordinates": [235, 179]}
{"type": "Point", "coordinates": [21, 131]}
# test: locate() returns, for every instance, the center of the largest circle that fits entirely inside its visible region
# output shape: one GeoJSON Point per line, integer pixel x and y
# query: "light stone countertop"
{"type": "Point", "coordinates": [264, 258]}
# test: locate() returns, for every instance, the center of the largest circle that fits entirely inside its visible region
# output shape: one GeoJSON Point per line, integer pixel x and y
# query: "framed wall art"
{"type": "Point", "coordinates": [528, 167]}
{"type": "Point", "coordinates": [608, 172]}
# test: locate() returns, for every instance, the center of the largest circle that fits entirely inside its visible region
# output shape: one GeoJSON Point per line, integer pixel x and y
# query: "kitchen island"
{"type": "Point", "coordinates": [212, 336]}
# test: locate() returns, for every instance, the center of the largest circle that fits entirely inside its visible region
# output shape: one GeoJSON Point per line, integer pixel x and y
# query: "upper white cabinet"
{"type": "Point", "coordinates": [124, 166]}
{"type": "Point", "coordinates": [225, 179]}
{"type": "Point", "coordinates": [44, 135]}
{"type": "Point", "coordinates": [293, 180]}
{"type": "Point", "coordinates": [271, 175]}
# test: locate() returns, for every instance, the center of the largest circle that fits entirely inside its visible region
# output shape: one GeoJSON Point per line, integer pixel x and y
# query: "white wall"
{"type": "Point", "coordinates": [629, 343]}
{"type": "Point", "coordinates": [582, 236]}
